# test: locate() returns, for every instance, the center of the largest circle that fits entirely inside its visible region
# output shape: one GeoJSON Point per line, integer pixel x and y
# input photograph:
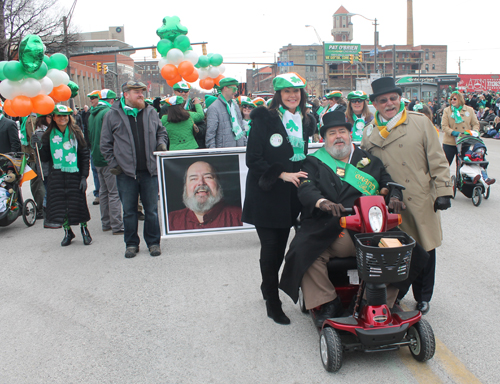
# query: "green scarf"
{"type": "Point", "coordinates": [233, 114]}
{"type": "Point", "coordinates": [362, 181]}
{"type": "Point", "coordinates": [357, 127]}
{"type": "Point", "coordinates": [293, 126]}
{"type": "Point", "coordinates": [129, 111]}
{"type": "Point", "coordinates": [102, 102]}
{"type": "Point", "coordinates": [24, 139]}
{"type": "Point", "coordinates": [456, 114]}
{"type": "Point", "coordinates": [64, 150]}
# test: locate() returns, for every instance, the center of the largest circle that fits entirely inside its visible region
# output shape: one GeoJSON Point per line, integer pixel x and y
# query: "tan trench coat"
{"type": "Point", "coordinates": [448, 124]}
{"type": "Point", "coordinates": [415, 159]}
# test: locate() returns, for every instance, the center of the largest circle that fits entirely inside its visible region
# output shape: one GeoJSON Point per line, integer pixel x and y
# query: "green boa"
{"type": "Point", "coordinates": [456, 114]}
{"type": "Point", "coordinates": [64, 147]}
{"type": "Point", "coordinates": [129, 111]}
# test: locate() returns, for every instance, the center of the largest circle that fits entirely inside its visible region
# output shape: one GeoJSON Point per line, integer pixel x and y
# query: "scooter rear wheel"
{"type": "Point", "coordinates": [330, 347]}
{"type": "Point", "coordinates": [424, 345]}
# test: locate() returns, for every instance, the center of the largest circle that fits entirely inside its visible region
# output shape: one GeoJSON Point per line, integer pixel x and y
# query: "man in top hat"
{"type": "Point", "coordinates": [409, 148]}
{"type": "Point", "coordinates": [131, 133]}
{"type": "Point", "coordinates": [224, 120]}
{"type": "Point", "coordinates": [333, 182]}
{"type": "Point", "coordinates": [109, 201]}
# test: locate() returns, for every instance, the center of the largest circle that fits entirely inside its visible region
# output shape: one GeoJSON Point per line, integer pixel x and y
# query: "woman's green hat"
{"type": "Point", "coordinates": [245, 101]}
{"type": "Point", "coordinates": [333, 94]}
{"type": "Point", "coordinates": [62, 110]}
{"type": "Point", "coordinates": [358, 95]}
{"type": "Point", "coordinates": [181, 85]}
{"type": "Point", "coordinates": [288, 80]}
{"type": "Point", "coordinates": [175, 100]}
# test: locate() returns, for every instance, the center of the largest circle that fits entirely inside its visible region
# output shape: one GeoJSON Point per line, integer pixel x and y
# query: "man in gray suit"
{"type": "Point", "coordinates": [224, 121]}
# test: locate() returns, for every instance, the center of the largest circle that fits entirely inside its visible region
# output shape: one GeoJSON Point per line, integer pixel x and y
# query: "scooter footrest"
{"type": "Point", "coordinates": [382, 336]}
{"type": "Point", "coordinates": [406, 315]}
{"type": "Point", "coordinates": [345, 320]}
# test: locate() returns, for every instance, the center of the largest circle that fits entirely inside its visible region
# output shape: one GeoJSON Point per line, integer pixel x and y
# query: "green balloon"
{"type": "Point", "coordinates": [47, 62]}
{"type": "Point", "coordinates": [31, 52]}
{"type": "Point", "coordinates": [164, 46]}
{"type": "Point", "coordinates": [216, 60]}
{"type": "Point", "coordinates": [203, 61]}
{"type": "Point", "coordinates": [182, 42]}
{"type": "Point", "coordinates": [13, 70]}
{"type": "Point", "coordinates": [210, 55]}
{"type": "Point", "coordinates": [2, 64]}
{"type": "Point", "coordinates": [59, 61]}
{"type": "Point", "coordinates": [197, 65]}
{"type": "Point", "coordinates": [41, 73]}
{"type": "Point", "coordinates": [74, 88]}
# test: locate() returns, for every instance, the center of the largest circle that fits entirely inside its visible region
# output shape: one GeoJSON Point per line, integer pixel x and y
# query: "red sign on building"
{"type": "Point", "coordinates": [479, 83]}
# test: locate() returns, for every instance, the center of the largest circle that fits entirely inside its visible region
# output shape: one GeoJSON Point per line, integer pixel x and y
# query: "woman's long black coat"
{"type": "Point", "coordinates": [64, 197]}
{"type": "Point", "coordinates": [270, 202]}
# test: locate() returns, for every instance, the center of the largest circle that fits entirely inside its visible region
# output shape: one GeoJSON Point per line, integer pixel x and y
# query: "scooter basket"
{"type": "Point", "coordinates": [383, 265]}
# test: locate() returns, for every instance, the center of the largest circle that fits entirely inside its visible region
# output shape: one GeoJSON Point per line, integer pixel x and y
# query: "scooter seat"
{"type": "Point", "coordinates": [342, 264]}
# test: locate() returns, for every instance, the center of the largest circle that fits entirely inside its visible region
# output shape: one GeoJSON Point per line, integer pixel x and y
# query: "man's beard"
{"type": "Point", "coordinates": [339, 153]}
{"type": "Point", "coordinates": [139, 104]}
{"type": "Point", "coordinates": [192, 203]}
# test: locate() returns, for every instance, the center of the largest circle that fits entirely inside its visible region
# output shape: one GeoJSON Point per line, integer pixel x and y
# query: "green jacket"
{"type": "Point", "coordinates": [94, 128]}
{"type": "Point", "coordinates": [181, 134]}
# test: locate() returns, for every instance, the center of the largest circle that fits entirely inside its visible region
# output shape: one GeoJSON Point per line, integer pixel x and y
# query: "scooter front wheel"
{"type": "Point", "coordinates": [423, 343]}
{"type": "Point", "coordinates": [330, 347]}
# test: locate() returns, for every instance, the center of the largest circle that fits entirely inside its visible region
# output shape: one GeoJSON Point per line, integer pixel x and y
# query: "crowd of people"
{"type": "Point", "coordinates": [117, 137]}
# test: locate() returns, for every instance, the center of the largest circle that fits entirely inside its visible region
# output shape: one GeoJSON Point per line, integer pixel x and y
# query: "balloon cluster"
{"type": "Point", "coordinates": [179, 61]}
{"type": "Point", "coordinates": [35, 82]}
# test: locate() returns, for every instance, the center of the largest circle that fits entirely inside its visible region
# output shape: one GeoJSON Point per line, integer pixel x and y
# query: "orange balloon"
{"type": "Point", "coordinates": [192, 77]}
{"type": "Point", "coordinates": [207, 83]}
{"type": "Point", "coordinates": [7, 107]}
{"type": "Point", "coordinates": [43, 104]}
{"type": "Point", "coordinates": [21, 105]}
{"type": "Point", "coordinates": [61, 93]}
{"type": "Point", "coordinates": [169, 72]}
{"type": "Point", "coordinates": [218, 78]}
{"type": "Point", "coordinates": [185, 68]}
{"type": "Point", "coordinates": [171, 82]}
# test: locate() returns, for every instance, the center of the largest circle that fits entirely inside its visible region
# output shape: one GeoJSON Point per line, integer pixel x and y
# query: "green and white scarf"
{"type": "Point", "coordinates": [233, 114]}
{"type": "Point", "coordinates": [293, 126]}
{"type": "Point", "coordinates": [63, 148]}
{"type": "Point", "coordinates": [456, 114]}
{"type": "Point", "coordinates": [129, 111]}
{"type": "Point", "coordinates": [357, 127]}
{"type": "Point", "coordinates": [186, 105]}
{"type": "Point", "coordinates": [23, 137]}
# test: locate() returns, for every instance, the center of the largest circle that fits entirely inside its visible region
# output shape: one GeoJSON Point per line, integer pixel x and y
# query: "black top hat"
{"type": "Point", "coordinates": [384, 85]}
{"type": "Point", "coordinates": [334, 119]}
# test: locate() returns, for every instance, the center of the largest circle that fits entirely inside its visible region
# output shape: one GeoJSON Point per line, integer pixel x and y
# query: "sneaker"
{"type": "Point", "coordinates": [140, 215]}
{"type": "Point", "coordinates": [120, 232]}
{"type": "Point", "coordinates": [155, 250]}
{"type": "Point", "coordinates": [131, 252]}
{"type": "Point", "coordinates": [96, 201]}
{"type": "Point", "coordinates": [476, 179]}
{"type": "Point", "coordinates": [106, 229]}
{"type": "Point", "coordinates": [489, 181]}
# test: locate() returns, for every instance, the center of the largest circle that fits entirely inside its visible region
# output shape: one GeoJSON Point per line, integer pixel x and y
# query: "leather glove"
{"type": "Point", "coordinates": [396, 205]}
{"type": "Point", "coordinates": [442, 203]}
{"type": "Point", "coordinates": [83, 184]}
{"type": "Point", "coordinates": [330, 207]}
{"type": "Point", "coordinates": [161, 147]}
{"type": "Point", "coordinates": [116, 170]}
{"type": "Point", "coordinates": [455, 133]}
{"type": "Point", "coordinates": [36, 141]}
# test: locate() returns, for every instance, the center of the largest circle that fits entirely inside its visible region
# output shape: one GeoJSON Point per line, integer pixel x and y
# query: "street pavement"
{"type": "Point", "coordinates": [195, 314]}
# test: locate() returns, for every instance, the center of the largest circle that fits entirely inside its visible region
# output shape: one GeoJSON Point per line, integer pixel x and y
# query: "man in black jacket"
{"type": "Point", "coordinates": [9, 135]}
{"type": "Point", "coordinates": [333, 181]}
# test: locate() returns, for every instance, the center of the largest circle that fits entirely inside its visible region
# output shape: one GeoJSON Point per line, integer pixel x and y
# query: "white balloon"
{"type": "Point", "coordinates": [30, 87]}
{"type": "Point", "coordinates": [202, 73]}
{"type": "Point", "coordinates": [213, 72]}
{"type": "Point", "coordinates": [191, 56]}
{"type": "Point", "coordinates": [8, 89]}
{"type": "Point", "coordinates": [56, 76]}
{"type": "Point", "coordinates": [46, 86]}
{"type": "Point", "coordinates": [222, 69]}
{"type": "Point", "coordinates": [162, 62]}
{"type": "Point", "coordinates": [175, 56]}
{"type": "Point", "coordinates": [65, 77]}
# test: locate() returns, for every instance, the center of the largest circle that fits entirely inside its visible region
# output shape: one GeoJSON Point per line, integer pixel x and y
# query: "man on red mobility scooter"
{"type": "Point", "coordinates": [338, 174]}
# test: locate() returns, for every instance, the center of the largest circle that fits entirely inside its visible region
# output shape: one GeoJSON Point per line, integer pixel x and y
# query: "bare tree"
{"type": "Point", "coordinates": [19, 18]}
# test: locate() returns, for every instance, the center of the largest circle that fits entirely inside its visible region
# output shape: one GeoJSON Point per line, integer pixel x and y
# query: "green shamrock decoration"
{"type": "Point", "coordinates": [171, 28]}
{"type": "Point", "coordinates": [295, 79]}
{"type": "Point", "coordinates": [292, 126]}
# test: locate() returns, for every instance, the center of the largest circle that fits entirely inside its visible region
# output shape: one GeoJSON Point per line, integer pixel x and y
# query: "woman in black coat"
{"type": "Point", "coordinates": [277, 145]}
{"type": "Point", "coordinates": [64, 147]}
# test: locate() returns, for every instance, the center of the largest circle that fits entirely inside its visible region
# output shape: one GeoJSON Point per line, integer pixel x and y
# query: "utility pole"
{"type": "Point", "coordinates": [66, 20]}
{"type": "Point", "coordinates": [375, 48]}
{"type": "Point", "coordinates": [394, 61]}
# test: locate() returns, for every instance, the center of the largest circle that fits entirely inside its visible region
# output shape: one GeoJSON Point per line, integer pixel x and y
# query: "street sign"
{"type": "Point", "coordinates": [340, 51]}
{"type": "Point", "coordinates": [285, 63]}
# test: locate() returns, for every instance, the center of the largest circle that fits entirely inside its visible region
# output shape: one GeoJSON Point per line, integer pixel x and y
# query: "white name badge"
{"type": "Point", "coordinates": [369, 129]}
{"type": "Point", "coordinates": [276, 140]}
{"type": "Point", "coordinates": [467, 114]}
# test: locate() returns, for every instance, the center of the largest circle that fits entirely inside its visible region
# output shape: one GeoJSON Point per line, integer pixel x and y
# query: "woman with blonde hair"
{"type": "Point", "coordinates": [357, 113]}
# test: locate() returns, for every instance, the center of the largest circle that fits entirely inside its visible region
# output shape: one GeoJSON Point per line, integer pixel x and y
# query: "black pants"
{"type": "Point", "coordinates": [273, 244]}
{"type": "Point", "coordinates": [423, 286]}
{"type": "Point", "coordinates": [450, 151]}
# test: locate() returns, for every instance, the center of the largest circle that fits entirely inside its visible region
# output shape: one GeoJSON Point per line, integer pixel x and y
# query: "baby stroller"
{"type": "Point", "coordinates": [13, 204]}
{"type": "Point", "coordinates": [465, 184]}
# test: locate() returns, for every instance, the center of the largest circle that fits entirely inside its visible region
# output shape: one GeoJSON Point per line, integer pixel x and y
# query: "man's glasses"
{"type": "Point", "coordinates": [234, 89]}
{"type": "Point", "coordinates": [183, 90]}
{"type": "Point", "coordinates": [385, 99]}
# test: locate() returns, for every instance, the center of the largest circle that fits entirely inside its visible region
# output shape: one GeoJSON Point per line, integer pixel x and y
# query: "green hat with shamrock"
{"type": "Point", "coordinates": [227, 81]}
{"type": "Point", "coordinates": [175, 100]}
{"type": "Point", "coordinates": [333, 94]}
{"type": "Point", "coordinates": [288, 80]}
{"type": "Point", "coordinates": [181, 85]}
{"type": "Point", "coordinates": [62, 110]}
{"type": "Point", "coordinates": [107, 94]}
{"type": "Point", "coordinates": [358, 95]}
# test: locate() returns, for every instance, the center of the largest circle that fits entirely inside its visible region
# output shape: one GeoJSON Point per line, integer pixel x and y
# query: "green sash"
{"type": "Point", "coordinates": [360, 180]}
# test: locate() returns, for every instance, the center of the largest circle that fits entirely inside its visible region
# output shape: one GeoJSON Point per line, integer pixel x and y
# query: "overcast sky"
{"type": "Point", "coordinates": [241, 30]}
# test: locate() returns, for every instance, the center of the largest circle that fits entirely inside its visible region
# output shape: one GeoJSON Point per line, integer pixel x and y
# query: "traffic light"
{"type": "Point", "coordinates": [351, 59]}
{"type": "Point", "coordinates": [154, 53]}
{"type": "Point", "coordinates": [204, 49]}
{"type": "Point", "coordinates": [360, 57]}
{"type": "Point", "coordinates": [99, 67]}
{"type": "Point", "coordinates": [104, 69]}
{"type": "Point", "coordinates": [253, 65]}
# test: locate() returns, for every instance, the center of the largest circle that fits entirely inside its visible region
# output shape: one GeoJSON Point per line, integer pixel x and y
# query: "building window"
{"type": "Point", "coordinates": [433, 66]}
{"type": "Point", "coordinates": [426, 55]}
{"type": "Point", "coordinates": [433, 55]}
{"type": "Point", "coordinates": [397, 66]}
{"type": "Point", "coordinates": [426, 67]}
{"type": "Point", "coordinates": [343, 37]}
{"type": "Point", "coordinates": [403, 67]}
